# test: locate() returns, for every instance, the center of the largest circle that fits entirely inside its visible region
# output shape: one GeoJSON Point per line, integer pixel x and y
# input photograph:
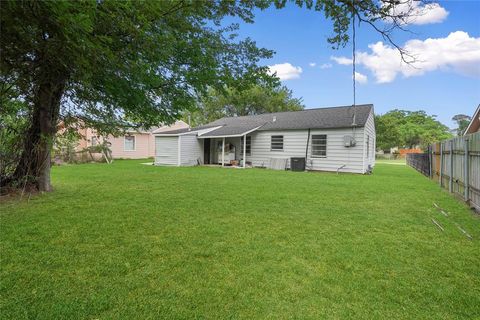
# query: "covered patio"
{"type": "Point", "coordinates": [227, 148]}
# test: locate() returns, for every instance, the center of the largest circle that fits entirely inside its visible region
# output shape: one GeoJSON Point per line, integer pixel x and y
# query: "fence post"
{"type": "Point", "coordinates": [430, 148]}
{"type": "Point", "coordinates": [466, 172]}
{"type": "Point", "coordinates": [441, 165]}
{"type": "Point", "coordinates": [450, 182]}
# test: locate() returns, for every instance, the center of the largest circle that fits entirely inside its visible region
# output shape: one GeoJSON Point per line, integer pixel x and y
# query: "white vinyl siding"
{"type": "Point", "coordinates": [295, 142]}
{"type": "Point", "coordinates": [319, 146]}
{"type": "Point", "coordinates": [370, 133]}
{"type": "Point", "coordinates": [191, 150]}
{"type": "Point", "coordinates": [276, 143]}
{"type": "Point", "coordinates": [368, 146]}
{"type": "Point", "coordinates": [129, 143]}
{"type": "Point", "coordinates": [166, 151]}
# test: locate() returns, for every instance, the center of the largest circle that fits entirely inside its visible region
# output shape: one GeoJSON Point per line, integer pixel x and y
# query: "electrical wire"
{"type": "Point", "coordinates": [354, 63]}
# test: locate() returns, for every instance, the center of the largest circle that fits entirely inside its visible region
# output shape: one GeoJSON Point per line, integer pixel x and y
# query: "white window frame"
{"type": "Point", "coordinates": [249, 145]}
{"type": "Point", "coordinates": [319, 144]}
{"type": "Point", "coordinates": [272, 142]}
{"type": "Point", "coordinates": [92, 139]}
{"type": "Point", "coordinates": [134, 143]}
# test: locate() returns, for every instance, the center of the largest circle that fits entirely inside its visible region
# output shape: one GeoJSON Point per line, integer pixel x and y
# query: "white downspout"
{"type": "Point", "coordinates": [244, 151]}
{"type": "Point", "coordinates": [223, 152]}
{"type": "Point", "coordinates": [179, 152]}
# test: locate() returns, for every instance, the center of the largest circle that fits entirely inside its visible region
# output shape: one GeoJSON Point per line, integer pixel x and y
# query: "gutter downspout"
{"type": "Point", "coordinates": [341, 167]}
{"type": "Point", "coordinates": [306, 149]}
{"type": "Point", "coordinates": [179, 151]}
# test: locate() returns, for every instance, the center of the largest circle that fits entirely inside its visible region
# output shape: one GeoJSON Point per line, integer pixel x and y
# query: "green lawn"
{"type": "Point", "coordinates": [130, 241]}
{"type": "Point", "coordinates": [388, 161]}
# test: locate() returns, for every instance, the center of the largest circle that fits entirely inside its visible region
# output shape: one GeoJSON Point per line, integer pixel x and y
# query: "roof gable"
{"type": "Point", "coordinates": [474, 125]}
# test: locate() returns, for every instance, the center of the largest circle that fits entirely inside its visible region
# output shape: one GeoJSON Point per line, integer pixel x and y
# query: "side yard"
{"type": "Point", "coordinates": [130, 241]}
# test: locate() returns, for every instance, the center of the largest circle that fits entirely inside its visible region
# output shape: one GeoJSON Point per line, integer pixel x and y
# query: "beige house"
{"type": "Point", "coordinates": [135, 144]}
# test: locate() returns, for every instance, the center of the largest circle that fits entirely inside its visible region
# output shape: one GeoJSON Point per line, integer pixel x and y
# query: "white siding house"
{"type": "Point", "coordinates": [321, 136]}
{"type": "Point", "coordinates": [191, 150]}
{"type": "Point", "coordinates": [180, 149]}
{"type": "Point", "coordinates": [295, 145]}
{"type": "Point", "coordinates": [166, 150]}
{"type": "Point", "coordinates": [369, 138]}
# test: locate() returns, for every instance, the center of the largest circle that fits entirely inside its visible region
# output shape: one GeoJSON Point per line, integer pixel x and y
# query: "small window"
{"type": "Point", "coordinates": [277, 143]}
{"type": "Point", "coordinates": [319, 146]}
{"type": "Point", "coordinates": [249, 146]}
{"type": "Point", "coordinates": [129, 144]}
{"type": "Point", "coordinates": [94, 141]}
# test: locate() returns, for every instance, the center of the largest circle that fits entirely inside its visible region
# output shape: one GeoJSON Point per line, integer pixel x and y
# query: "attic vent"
{"type": "Point", "coordinates": [274, 118]}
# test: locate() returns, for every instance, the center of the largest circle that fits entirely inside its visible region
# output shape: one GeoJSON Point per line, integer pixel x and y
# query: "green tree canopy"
{"type": "Point", "coordinates": [401, 128]}
{"type": "Point", "coordinates": [231, 102]}
{"type": "Point", "coordinates": [387, 132]}
{"type": "Point", "coordinates": [106, 62]}
{"type": "Point", "coordinates": [114, 63]}
{"type": "Point", "coordinates": [462, 121]}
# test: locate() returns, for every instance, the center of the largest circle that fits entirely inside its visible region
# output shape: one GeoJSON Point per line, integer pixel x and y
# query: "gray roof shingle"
{"type": "Point", "coordinates": [232, 130]}
{"type": "Point", "coordinates": [183, 130]}
{"type": "Point", "coordinates": [320, 118]}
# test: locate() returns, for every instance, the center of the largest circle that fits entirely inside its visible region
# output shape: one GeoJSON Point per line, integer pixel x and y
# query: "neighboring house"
{"type": "Point", "coordinates": [135, 144]}
{"type": "Point", "coordinates": [331, 139]}
{"type": "Point", "coordinates": [474, 125]}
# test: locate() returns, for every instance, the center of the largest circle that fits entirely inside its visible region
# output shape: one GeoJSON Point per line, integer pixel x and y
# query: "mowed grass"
{"type": "Point", "coordinates": [388, 161]}
{"type": "Point", "coordinates": [130, 241]}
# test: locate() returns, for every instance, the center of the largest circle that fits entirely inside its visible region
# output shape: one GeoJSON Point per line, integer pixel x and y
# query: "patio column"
{"type": "Point", "coordinates": [223, 151]}
{"type": "Point", "coordinates": [244, 151]}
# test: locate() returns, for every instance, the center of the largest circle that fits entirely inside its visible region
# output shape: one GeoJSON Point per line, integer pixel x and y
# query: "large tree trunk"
{"type": "Point", "coordinates": [34, 165]}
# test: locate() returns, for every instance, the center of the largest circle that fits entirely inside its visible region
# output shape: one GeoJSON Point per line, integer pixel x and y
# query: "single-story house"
{"type": "Point", "coordinates": [134, 144]}
{"type": "Point", "coordinates": [474, 125]}
{"type": "Point", "coordinates": [328, 139]}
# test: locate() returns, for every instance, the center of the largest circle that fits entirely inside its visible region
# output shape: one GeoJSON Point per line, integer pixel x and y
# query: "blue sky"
{"type": "Point", "coordinates": [446, 83]}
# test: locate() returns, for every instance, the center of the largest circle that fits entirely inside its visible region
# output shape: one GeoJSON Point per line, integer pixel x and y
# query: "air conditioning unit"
{"type": "Point", "coordinates": [349, 141]}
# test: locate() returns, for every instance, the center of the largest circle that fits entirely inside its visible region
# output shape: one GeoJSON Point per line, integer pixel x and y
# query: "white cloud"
{"type": "Point", "coordinates": [458, 52]}
{"type": "Point", "coordinates": [285, 71]}
{"type": "Point", "coordinates": [326, 66]}
{"type": "Point", "coordinates": [360, 78]}
{"type": "Point", "coordinates": [342, 60]}
{"type": "Point", "coordinates": [419, 13]}
{"type": "Point", "coordinates": [312, 64]}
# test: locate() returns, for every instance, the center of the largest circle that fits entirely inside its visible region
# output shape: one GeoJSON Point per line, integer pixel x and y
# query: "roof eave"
{"type": "Point", "coordinates": [203, 136]}
{"type": "Point", "coordinates": [194, 131]}
{"type": "Point", "coordinates": [476, 116]}
{"type": "Point", "coordinates": [314, 128]}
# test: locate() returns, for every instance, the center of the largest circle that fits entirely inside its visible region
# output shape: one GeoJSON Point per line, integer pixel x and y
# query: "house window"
{"type": "Point", "coordinates": [94, 141]}
{"type": "Point", "coordinates": [319, 146]}
{"type": "Point", "coordinates": [276, 143]}
{"type": "Point", "coordinates": [129, 143]}
{"type": "Point", "coordinates": [249, 146]}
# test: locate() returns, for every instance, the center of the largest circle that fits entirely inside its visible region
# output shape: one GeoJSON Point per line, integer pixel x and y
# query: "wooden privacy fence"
{"type": "Point", "coordinates": [455, 165]}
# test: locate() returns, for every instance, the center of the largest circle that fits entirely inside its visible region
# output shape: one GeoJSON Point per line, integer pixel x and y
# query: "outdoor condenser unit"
{"type": "Point", "coordinates": [297, 164]}
{"type": "Point", "coordinates": [349, 141]}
